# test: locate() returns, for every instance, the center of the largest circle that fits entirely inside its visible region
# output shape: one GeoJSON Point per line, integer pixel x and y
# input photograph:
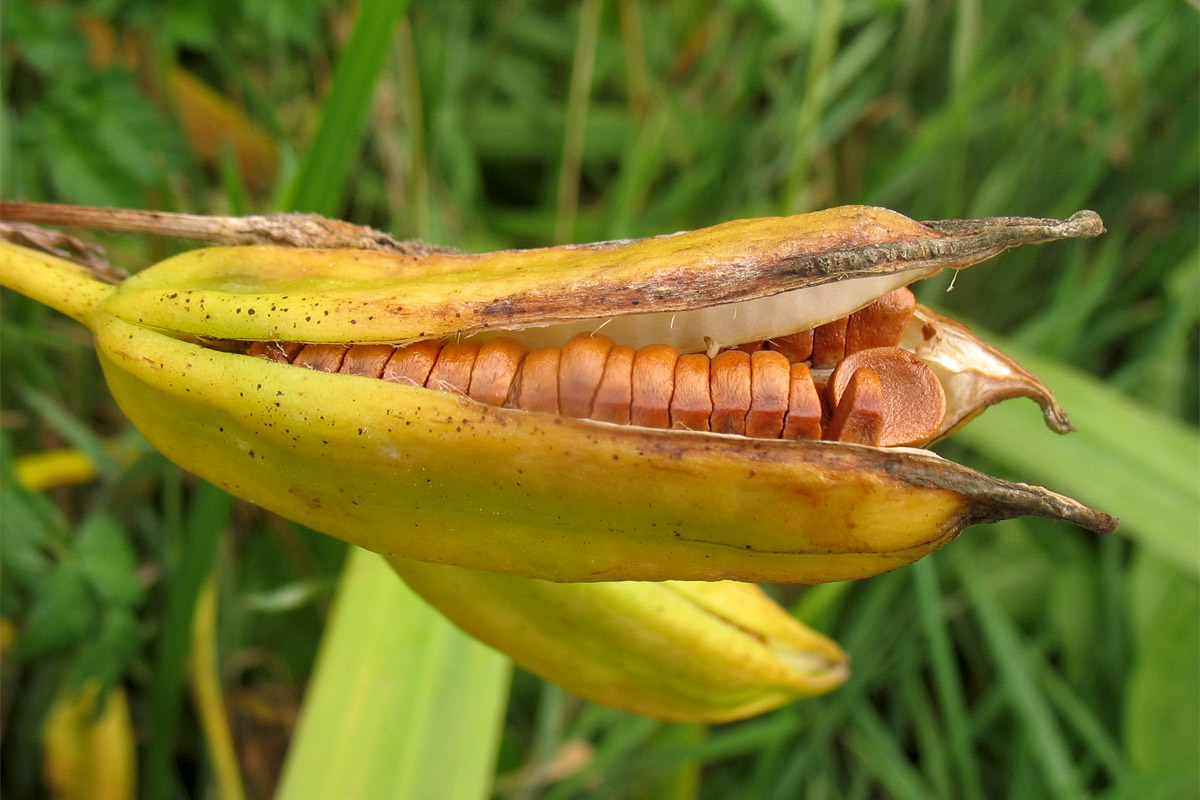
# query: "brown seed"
{"type": "Point", "coordinates": [412, 363]}
{"type": "Point", "coordinates": [323, 357]}
{"type": "Point", "coordinates": [804, 405]}
{"type": "Point", "coordinates": [770, 374]}
{"type": "Point", "coordinates": [536, 387]}
{"type": "Point", "coordinates": [729, 383]}
{"type": "Point", "coordinates": [580, 370]}
{"type": "Point", "coordinates": [653, 382]}
{"type": "Point", "coordinates": [914, 403]}
{"type": "Point", "coordinates": [691, 404]}
{"type": "Point", "coordinates": [796, 347]}
{"type": "Point", "coordinates": [756, 389]}
{"type": "Point", "coordinates": [614, 396]}
{"type": "Point", "coordinates": [495, 370]}
{"type": "Point", "coordinates": [452, 370]}
{"type": "Point", "coordinates": [882, 323]}
{"type": "Point", "coordinates": [275, 351]}
{"type": "Point", "coordinates": [367, 360]}
{"type": "Point", "coordinates": [829, 343]}
{"type": "Point", "coordinates": [858, 417]}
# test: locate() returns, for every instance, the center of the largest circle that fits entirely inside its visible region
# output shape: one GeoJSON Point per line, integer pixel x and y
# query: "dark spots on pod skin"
{"type": "Point", "coordinates": [250, 312]}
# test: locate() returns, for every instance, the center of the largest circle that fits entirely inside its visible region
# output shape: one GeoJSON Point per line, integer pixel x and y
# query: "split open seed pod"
{"type": "Point", "coordinates": [427, 472]}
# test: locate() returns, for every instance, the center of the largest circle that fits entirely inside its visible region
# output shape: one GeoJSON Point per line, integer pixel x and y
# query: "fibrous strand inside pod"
{"type": "Point", "coordinates": [846, 380]}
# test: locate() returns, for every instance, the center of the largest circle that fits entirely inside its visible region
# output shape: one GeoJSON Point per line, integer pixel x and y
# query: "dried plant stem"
{"type": "Point", "coordinates": [292, 230]}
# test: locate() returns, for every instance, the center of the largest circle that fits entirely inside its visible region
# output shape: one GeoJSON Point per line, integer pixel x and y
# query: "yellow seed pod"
{"type": "Point", "coordinates": [686, 651]}
{"type": "Point", "coordinates": [437, 476]}
{"type": "Point", "coordinates": [88, 745]}
{"type": "Point", "coordinates": [459, 414]}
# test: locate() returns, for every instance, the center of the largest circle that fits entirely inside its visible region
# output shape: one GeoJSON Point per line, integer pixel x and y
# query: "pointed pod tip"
{"type": "Point", "coordinates": [1004, 232]}
{"type": "Point", "coordinates": [1084, 224]}
{"type": "Point", "coordinates": [1056, 419]}
{"type": "Point", "coordinates": [1019, 499]}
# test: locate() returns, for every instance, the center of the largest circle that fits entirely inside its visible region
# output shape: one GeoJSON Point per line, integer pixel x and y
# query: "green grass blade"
{"type": "Point", "coordinates": [947, 679]}
{"type": "Point", "coordinates": [320, 182]}
{"type": "Point", "coordinates": [1082, 719]}
{"type": "Point", "coordinates": [878, 751]}
{"type": "Point", "coordinates": [70, 428]}
{"type": "Point", "coordinates": [821, 55]}
{"type": "Point", "coordinates": [578, 100]}
{"type": "Point", "coordinates": [1124, 459]}
{"type": "Point", "coordinates": [1051, 750]}
{"type": "Point", "coordinates": [402, 704]}
{"type": "Point", "coordinates": [208, 517]}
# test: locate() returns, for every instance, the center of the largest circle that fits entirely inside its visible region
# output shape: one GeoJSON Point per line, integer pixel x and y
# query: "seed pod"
{"type": "Point", "coordinates": [88, 744]}
{"type": "Point", "coordinates": [439, 476]}
{"type": "Point", "coordinates": [403, 447]}
{"type": "Point", "coordinates": [675, 650]}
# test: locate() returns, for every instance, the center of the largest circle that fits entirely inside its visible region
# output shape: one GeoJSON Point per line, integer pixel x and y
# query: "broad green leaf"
{"type": "Point", "coordinates": [1162, 702]}
{"type": "Point", "coordinates": [29, 523]}
{"type": "Point", "coordinates": [402, 703]}
{"type": "Point", "coordinates": [63, 613]}
{"type": "Point", "coordinates": [109, 650]}
{"type": "Point", "coordinates": [108, 560]}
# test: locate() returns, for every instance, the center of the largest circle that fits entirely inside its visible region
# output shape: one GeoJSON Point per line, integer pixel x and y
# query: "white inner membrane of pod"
{"type": "Point", "coordinates": [709, 329]}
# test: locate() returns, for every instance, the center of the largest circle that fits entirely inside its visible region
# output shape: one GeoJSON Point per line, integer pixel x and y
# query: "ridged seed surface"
{"type": "Point", "coordinates": [866, 390]}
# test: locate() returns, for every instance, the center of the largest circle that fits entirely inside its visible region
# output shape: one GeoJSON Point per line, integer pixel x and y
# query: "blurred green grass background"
{"type": "Point", "coordinates": [1027, 659]}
